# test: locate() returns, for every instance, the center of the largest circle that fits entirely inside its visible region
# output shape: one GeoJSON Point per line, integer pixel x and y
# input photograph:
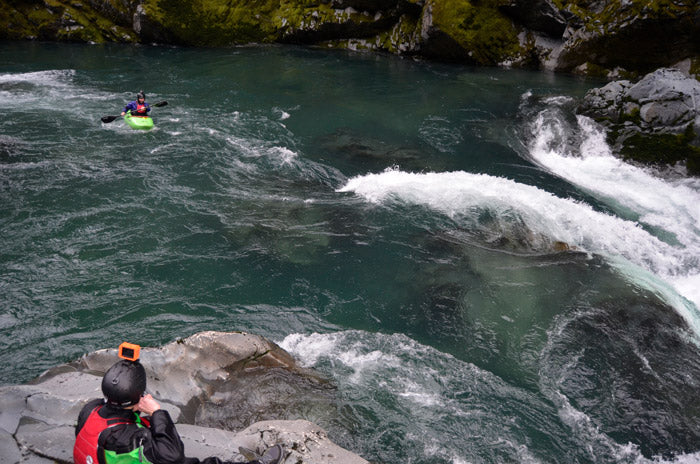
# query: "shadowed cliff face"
{"type": "Point", "coordinates": [590, 37]}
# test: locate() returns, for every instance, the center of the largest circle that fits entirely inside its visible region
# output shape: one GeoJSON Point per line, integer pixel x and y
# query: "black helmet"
{"type": "Point", "coordinates": [141, 95]}
{"type": "Point", "coordinates": [124, 383]}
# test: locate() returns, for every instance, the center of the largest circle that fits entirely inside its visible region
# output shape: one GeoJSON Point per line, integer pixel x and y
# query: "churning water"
{"type": "Point", "coordinates": [456, 250]}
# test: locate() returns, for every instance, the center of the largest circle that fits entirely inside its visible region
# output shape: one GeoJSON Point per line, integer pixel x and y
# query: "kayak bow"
{"type": "Point", "coordinates": [138, 122]}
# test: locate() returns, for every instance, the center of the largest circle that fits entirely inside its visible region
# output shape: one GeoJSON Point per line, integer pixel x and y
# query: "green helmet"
{"type": "Point", "coordinates": [124, 383]}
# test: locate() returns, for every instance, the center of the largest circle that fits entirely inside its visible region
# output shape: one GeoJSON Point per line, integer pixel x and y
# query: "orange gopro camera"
{"type": "Point", "coordinates": [129, 351]}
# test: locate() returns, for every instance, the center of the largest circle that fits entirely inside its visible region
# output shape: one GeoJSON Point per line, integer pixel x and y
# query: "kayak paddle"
{"type": "Point", "coordinates": [108, 119]}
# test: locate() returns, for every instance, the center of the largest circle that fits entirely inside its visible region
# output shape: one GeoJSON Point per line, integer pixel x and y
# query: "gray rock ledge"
{"type": "Point", "coordinates": [37, 420]}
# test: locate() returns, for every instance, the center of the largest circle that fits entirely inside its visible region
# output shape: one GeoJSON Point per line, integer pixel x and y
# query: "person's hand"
{"type": "Point", "coordinates": [123, 113]}
{"type": "Point", "coordinates": [147, 405]}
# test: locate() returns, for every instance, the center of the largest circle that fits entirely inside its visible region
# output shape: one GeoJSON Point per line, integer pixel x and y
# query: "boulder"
{"type": "Point", "coordinates": [665, 100]}
{"type": "Point", "coordinates": [605, 103]}
{"type": "Point", "coordinates": [37, 420]}
{"type": "Point", "coordinates": [655, 120]}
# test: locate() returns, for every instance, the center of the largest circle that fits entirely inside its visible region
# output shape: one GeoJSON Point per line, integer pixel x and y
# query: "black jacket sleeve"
{"type": "Point", "coordinates": [163, 444]}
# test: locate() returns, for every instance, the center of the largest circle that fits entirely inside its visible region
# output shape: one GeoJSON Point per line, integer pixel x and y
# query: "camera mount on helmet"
{"type": "Point", "coordinates": [129, 351]}
{"type": "Point", "coordinates": [125, 382]}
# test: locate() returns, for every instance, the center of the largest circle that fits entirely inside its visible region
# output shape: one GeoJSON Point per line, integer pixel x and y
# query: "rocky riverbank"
{"type": "Point", "coordinates": [224, 390]}
{"type": "Point", "coordinates": [655, 120]}
{"type": "Point", "coordinates": [612, 37]}
{"type": "Point", "coordinates": [620, 40]}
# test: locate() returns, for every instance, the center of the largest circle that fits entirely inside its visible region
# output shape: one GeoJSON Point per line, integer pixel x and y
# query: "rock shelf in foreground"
{"type": "Point", "coordinates": [190, 378]}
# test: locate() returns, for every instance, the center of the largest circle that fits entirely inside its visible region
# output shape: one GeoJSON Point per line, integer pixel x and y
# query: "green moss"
{"type": "Point", "coordinates": [633, 116]}
{"type": "Point", "coordinates": [480, 28]}
{"type": "Point", "coordinates": [665, 149]}
{"type": "Point", "coordinates": [15, 24]}
{"type": "Point", "coordinates": [61, 20]}
{"type": "Point", "coordinates": [302, 14]}
{"type": "Point", "coordinates": [213, 22]}
{"type": "Point", "coordinates": [401, 37]}
{"type": "Point", "coordinates": [618, 11]}
{"type": "Point", "coordinates": [593, 70]}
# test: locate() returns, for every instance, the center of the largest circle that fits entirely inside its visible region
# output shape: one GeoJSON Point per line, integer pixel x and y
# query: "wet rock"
{"type": "Point", "coordinates": [655, 120]}
{"type": "Point", "coordinates": [538, 15]}
{"type": "Point", "coordinates": [37, 420]}
{"type": "Point", "coordinates": [605, 103]}
{"type": "Point", "coordinates": [9, 449]}
{"type": "Point", "coordinates": [362, 149]}
{"type": "Point", "coordinates": [626, 34]}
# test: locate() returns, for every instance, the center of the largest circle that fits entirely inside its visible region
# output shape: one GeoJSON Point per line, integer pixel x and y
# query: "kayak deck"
{"type": "Point", "coordinates": [138, 122]}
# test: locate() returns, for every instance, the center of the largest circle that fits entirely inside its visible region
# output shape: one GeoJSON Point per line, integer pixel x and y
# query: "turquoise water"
{"type": "Point", "coordinates": [458, 252]}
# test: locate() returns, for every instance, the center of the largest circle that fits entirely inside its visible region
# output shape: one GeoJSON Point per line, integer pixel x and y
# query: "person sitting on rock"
{"type": "Point", "coordinates": [111, 430]}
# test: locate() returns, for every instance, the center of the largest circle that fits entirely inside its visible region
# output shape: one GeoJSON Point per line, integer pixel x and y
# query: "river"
{"type": "Point", "coordinates": [463, 256]}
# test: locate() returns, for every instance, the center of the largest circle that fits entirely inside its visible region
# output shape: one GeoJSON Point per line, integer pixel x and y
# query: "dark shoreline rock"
{"type": "Point", "coordinates": [600, 38]}
{"type": "Point", "coordinates": [655, 120]}
{"type": "Point", "coordinates": [37, 420]}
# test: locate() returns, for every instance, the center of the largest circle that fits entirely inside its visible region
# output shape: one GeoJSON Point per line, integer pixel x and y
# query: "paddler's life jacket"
{"type": "Point", "coordinates": [141, 109]}
{"type": "Point", "coordinates": [87, 447]}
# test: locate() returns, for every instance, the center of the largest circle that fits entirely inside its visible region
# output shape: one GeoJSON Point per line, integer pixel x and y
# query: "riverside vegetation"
{"type": "Point", "coordinates": [590, 37]}
{"type": "Point", "coordinates": [600, 38]}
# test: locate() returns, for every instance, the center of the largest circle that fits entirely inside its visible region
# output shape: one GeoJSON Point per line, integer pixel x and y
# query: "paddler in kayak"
{"type": "Point", "coordinates": [138, 107]}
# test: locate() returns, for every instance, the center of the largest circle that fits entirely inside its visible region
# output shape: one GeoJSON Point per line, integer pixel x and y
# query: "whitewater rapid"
{"type": "Point", "coordinates": [653, 238]}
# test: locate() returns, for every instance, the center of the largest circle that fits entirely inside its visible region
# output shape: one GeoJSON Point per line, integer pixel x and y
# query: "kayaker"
{"type": "Point", "coordinates": [111, 430]}
{"type": "Point", "coordinates": [138, 107]}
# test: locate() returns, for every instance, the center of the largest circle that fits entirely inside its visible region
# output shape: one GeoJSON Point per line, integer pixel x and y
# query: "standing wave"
{"type": "Point", "coordinates": [509, 206]}
{"type": "Point", "coordinates": [575, 149]}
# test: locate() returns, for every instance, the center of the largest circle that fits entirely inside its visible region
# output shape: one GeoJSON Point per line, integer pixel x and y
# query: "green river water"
{"type": "Point", "coordinates": [456, 250]}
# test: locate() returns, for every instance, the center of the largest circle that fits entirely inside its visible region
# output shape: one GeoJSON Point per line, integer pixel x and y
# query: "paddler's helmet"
{"type": "Point", "coordinates": [124, 383]}
{"type": "Point", "coordinates": [140, 95]}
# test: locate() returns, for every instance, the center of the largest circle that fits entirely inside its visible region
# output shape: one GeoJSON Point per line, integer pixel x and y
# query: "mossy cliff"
{"type": "Point", "coordinates": [588, 36]}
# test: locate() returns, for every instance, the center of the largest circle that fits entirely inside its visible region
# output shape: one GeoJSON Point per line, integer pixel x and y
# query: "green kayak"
{"type": "Point", "coordinates": [138, 122]}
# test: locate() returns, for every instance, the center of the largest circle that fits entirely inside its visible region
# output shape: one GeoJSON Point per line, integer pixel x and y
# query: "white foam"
{"type": "Point", "coordinates": [464, 196]}
{"type": "Point", "coordinates": [670, 208]}
{"type": "Point", "coordinates": [396, 369]}
{"type": "Point", "coordinates": [284, 154]}
{"type": "Point", "coordinates": [671, 205]}
{"type": "Point", "coordinates": [424, 380]}
{"type": "Point", "coordinates": [57, 77]}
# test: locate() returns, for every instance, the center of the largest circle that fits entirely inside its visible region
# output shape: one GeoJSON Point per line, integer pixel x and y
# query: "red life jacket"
{"type": "Point", "coordinates": [86, 443]}
{"type": "Point", "coordinates": [140, 109]}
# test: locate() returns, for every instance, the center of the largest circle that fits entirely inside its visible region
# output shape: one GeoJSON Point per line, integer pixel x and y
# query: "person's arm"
{"type": "Point", "coordinates": [164, 445]}
{"type": "Point", "coordinates": [129, 106]}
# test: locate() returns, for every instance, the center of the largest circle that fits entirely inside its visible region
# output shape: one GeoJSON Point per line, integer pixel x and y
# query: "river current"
{"type": "Point", "coordinates": [458, 252]}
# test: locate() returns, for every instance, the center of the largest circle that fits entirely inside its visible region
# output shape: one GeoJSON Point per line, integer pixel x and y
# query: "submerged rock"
{"type": "Point", "coordinates": [37, 420]}
{"type": "Point", "coordinates": [655, 120]}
